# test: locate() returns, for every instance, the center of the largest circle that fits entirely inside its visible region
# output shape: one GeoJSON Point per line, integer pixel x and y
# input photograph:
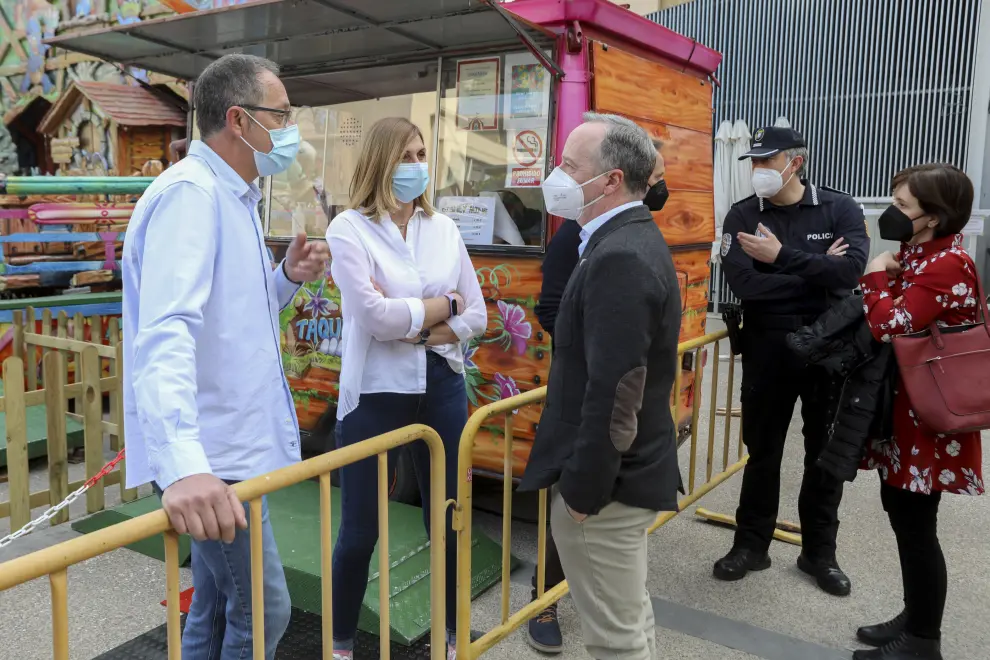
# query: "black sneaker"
{"type": "Point", "coordinates": [739, 562]}
{"type": "Point", "coordinates": [543, 633]}
{"type": "Point", "coordinates": [905, 647]}
{"type": "Point", "coordinates": [882, 633]}
{"type": "Point", "coordinates": [827, 574]}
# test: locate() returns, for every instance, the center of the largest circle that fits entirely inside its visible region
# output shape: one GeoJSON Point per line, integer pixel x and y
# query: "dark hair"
{"type": "Point", "coordinates": [233, 80]}
{"type": "Point", "coordinates": [942, 190]}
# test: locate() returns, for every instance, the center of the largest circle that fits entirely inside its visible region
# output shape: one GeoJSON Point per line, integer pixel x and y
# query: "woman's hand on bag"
{"type": "Point", "coordinates": [885, 262]}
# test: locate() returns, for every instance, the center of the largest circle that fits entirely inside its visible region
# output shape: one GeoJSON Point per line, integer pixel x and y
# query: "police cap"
{"type": "Point", "coordinates": [772, 140]}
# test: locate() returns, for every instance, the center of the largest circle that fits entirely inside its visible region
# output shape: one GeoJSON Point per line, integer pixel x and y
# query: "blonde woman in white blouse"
{"type": "Point", "coordinates": [411, 302]}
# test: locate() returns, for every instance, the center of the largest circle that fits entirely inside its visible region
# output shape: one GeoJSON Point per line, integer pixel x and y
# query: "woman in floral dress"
{"type": "Point", "coordinates": [931, 279]}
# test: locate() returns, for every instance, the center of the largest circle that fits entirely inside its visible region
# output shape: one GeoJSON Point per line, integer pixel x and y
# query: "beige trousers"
{"type": "Point", "coordinates": [604, 560]}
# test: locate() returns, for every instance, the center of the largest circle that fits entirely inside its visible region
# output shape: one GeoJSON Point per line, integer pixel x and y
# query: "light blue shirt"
{"type": "Point", "coordinates": [594, 225]}
{"type": "Point", "coordinates": [204, 390]}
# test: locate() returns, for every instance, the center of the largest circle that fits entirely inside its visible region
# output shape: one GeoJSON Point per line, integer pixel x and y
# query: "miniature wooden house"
{"type": "Point", "coordinates": [101, 128]}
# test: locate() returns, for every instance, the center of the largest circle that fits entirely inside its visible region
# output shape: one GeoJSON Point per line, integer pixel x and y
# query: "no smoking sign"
{"type": "Point", "coordinates": [527, 148]}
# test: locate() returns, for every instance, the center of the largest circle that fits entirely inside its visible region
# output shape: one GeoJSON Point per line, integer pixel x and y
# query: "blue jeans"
{"type": "Point", "coordinates": [444, 408]}
{"type": "Point", "coordinates": [219, 626]}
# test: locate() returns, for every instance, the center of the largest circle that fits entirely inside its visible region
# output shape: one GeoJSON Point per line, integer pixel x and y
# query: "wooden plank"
{"type": "Point", "coordinates": [79, 334]}
{"type": "Point", "coordinates": [661, 94]}
{"type": "Point", "coordinates": [46, 331]}
{"type": "Point", "coordinates": [15, 282]}
{"type": "Point", "coordinates": [693, 264]}
{"type": "Point", "coordinates": [17, 443]}
{"type": "Point", "coordinates": [92, 425]}
{"type": "Point", "coordinates": [93, 277]}
{"type": "Point", "coordinates": [18, 348]}
{"type": "Point", "coordinates": [688, 218]}
{"type": "Point", "coordinates": [73, 345]}
{"type": "Point", "coordinates": [30, 351]}
{"type": "Point", "coordinates": [43, 497]}
{"type": "Point", "coordinates": [58, 448]}
{"type": "Point", "coordinates": [687, 156]}
{"type": "Point", "coordinates": [117, 410]}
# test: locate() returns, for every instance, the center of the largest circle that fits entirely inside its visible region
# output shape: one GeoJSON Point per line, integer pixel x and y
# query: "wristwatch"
{"type": "Point", "coordinates": [424, 337]}
{"type": "Point", "coordinates": [453, 304]}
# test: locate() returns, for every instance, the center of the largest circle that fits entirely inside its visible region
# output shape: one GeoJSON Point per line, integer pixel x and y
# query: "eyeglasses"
{"type": "Point", "coordinates": [286, 117]}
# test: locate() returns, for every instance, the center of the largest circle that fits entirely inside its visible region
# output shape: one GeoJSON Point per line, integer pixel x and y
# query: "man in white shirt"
{"type": "Point", "coordinates": [206, 401]}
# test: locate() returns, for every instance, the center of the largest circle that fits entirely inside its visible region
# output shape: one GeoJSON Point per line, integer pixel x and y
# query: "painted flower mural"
{"type": "Point", "coordinates": [512, 330]}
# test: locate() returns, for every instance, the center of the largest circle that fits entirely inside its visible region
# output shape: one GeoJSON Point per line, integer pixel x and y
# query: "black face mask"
{"type": "Point", "coordinates": [657, 196]}
{"type": "Point", "coordinates": [895, 225]}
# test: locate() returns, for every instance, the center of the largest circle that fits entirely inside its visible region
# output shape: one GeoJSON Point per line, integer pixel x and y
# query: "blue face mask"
{"type": "Point", "coordinates": [285, 146]}
{"type": "Point", "coordinates": [410, 181]}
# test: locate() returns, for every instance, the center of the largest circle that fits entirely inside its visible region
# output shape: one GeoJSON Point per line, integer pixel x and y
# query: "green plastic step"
{"type": "Point", "coordinates": [294, 513]}
{"type": "Point", "coordinates": [153, 547]}
{"type": "Point", "coordinates": [37, 432]}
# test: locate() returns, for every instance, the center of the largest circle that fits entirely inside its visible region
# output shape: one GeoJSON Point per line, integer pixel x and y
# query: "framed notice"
{"type": "Point", "coordinates": [478, 94]}
{"type": "Point", "coordinates": [526, 92]}
{"type": "Point", "coordinates": [474, 217]}
{"type": "Point", "coordinates": [527, 159]}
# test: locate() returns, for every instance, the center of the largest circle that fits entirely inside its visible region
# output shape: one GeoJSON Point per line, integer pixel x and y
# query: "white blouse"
{"type": "Point", "coordinates": [431, 262]}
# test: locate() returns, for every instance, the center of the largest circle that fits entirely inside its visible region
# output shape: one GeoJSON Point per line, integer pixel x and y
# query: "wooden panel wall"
{"type": "Point", "coordinates": [676, 108]}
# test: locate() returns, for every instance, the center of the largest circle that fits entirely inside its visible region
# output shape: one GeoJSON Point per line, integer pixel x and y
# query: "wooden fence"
{"type": "Point", "coordinates": [37, 375]}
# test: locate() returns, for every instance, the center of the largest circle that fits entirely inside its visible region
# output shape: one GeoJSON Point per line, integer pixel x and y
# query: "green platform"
{"type": "Point", "coordinates": [294, 513]}
{"type": "Point", "coordinates": [37, 432]}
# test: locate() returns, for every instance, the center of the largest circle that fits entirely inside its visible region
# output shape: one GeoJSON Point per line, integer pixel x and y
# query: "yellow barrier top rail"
{"type": "Point", "coordinates": [61, 556]}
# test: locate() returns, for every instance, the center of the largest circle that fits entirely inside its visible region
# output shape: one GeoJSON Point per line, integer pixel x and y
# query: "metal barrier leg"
{"type": "Point", "coordinates": [326, 565]}
{"type": "Point", "coordinates": [60, 614]}
{"type": "Point", "coordinates": [384, 618]}
{"type": "Point", "coordinates": [172, 595]}
{"type": "Point", "coordinates": [257, 582]}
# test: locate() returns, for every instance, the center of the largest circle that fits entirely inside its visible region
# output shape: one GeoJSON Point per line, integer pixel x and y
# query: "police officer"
{"type": "Point", "coordinates": [786, 252]}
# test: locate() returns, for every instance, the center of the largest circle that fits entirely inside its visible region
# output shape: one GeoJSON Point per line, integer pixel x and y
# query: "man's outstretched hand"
{"type": "Point", "coordinates": [204, 507]}
{"type": "Point", "coordinates": [306, 261]}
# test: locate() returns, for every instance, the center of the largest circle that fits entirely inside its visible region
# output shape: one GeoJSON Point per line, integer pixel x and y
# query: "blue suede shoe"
{"type": "Point", "coordinates": [543, 633]}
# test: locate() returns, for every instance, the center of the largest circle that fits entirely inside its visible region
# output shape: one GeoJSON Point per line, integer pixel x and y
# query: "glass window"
{"type": "Point", "coordinates": [492, 155]}
{"type": "Point", "coordinates": [316, 187]}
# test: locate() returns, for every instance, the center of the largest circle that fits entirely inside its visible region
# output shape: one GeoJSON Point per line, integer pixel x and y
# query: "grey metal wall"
{"type": "Point", "coordinates": [874, 85]}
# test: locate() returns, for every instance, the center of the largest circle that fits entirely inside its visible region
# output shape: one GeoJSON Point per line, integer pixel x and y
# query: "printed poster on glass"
{"type": "Point", "coordinates": [478, 94]}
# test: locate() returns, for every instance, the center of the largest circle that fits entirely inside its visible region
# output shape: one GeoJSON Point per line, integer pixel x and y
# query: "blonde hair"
{"type": "Point", "coordinates": [371, 187]}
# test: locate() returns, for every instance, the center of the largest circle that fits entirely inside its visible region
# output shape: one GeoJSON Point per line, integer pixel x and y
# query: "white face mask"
{"type": "Point", "coordinates": [768, 182]}
{"type": "Point", "coordinates": [563, 196]}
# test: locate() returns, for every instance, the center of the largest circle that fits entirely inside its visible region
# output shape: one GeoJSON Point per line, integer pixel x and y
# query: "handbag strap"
{"type": "Point", "coordinates": [984, 311]}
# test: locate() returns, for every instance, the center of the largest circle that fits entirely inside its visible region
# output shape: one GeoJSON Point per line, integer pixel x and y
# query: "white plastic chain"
{"type": "Point", "coordinates": [45, 517]}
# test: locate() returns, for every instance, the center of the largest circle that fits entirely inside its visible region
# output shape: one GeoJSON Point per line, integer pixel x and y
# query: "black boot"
{"type": "Point", "coordinates": [543, 633]}
{"type": "Point", "coordinates": [827, 574]}
{"type": "Point", "coordinates": [882, 633]}
{"type": "Point", "coordinates": [905, 647]}
{"type": "Point", "coordinates": [739, 562]}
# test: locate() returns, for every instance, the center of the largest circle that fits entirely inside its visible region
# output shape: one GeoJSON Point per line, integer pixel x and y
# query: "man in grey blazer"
{"type": "Point", "coordinates": [606, 441]}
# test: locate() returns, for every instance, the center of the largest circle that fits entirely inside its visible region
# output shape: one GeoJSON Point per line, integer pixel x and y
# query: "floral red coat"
{"type": "Point", "coordinates": [939, 284]}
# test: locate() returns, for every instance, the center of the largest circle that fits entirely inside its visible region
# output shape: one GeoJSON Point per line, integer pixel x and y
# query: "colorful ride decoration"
{"type": "Point", "coordinates": [33, 75]}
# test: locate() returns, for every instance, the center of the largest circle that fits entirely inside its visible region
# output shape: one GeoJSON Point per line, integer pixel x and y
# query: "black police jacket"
{"type": "Point", "coordinates": [606, 433]}
{"type": "Point", "coordinates": [861, 408]}
{"type": "Point", "coordinates": [802, 277]}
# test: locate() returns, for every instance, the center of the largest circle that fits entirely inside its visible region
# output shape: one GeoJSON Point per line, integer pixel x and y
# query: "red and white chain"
{"type": "Point", "coordinates": [52, 512]}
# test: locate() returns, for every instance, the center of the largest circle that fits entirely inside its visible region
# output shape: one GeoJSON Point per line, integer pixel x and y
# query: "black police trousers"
{"type": "Point", "coordinates": [772, 381]}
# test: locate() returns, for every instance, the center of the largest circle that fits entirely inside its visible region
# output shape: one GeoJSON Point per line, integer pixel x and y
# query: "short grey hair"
{"type": "Point", "coordinates": [803, 153]}
{"type": "Point", "coordinates": [627, 147]}
{"type": "Point", "coordinates": [231, 80]}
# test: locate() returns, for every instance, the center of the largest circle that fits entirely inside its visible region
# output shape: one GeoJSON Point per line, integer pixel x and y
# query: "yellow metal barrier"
{"type": "Point", "coordinates": [54, 561]}
{"type": "Point", "coordinates": [468, 650]}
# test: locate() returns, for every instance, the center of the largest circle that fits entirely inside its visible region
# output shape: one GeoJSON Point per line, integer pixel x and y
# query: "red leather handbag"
{"type": "Point", "coordinates": [946, 373]}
